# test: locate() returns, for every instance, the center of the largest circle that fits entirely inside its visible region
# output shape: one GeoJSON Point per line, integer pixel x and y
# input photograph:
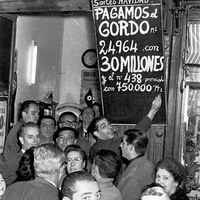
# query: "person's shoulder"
{"type": "Point", "coordinates": [141, 166]}
{"type": "Point", "coordinates": [179, 195]}
{"type": "Point", "coordinates": [83, 141]}
{"type": "Point", "coordinates": [17, 185]}
{"type": "Point", "coordinates": [111, 194]}
{"type": "Point", "coordinates": [16, 126]}
{"type": "Point", "coordinates": [15, 158]}
{"type": "Point", "coordinates": [13, 131]}
{"type": "Point", "coordinates": [145, 160]}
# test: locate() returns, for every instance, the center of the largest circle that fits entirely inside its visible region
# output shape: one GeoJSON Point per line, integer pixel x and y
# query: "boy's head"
{"type": "Point", "coordinates": [106, 164]}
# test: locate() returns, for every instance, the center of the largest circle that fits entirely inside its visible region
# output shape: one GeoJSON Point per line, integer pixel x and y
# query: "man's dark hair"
{"type": "Point", "coordinates": [56, 134]}
{"type": "Point", "coordinates": [108, 162]}
{"type": "Point", "coordinates": [26, 169]}
{"type": "Point", "coordinates": [25, 106]}
{"type": "Point", "coordinates": [138, 139]}
{"type": "Point", "coordinates": [46, 117]}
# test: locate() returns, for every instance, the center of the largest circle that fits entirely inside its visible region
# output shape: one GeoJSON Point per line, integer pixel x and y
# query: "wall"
{"type": "Point", "coordinates": [61, 42]}
{"type": "Point", "coordinates": [78, 36]}
{"type": "Point", "coordinates": [47, 32]}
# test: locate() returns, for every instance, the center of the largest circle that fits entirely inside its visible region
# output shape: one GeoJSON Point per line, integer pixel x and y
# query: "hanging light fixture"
{"type": "Point", "coordinates": [33, 62]}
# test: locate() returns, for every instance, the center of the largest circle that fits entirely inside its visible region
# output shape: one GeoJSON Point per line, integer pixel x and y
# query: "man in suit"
{"type": "Point", "coordinates": [69, 120]}
{"type": "Point", "coordinates": [140, 171]}
{"type": "Point", "coordinates": [108, 138]}
{"type": "Point", "coordinates": [29, 112]}
{"type": "Point", "coordinates": [28, 136]}
{"type": "Point", "coordinates": [47, 125]}
{"type": "Point", "coordinates": [49, 165]}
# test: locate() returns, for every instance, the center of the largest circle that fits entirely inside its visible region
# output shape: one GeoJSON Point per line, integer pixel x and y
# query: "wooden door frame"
{"type": "Point", "coordinates": [43, 6]}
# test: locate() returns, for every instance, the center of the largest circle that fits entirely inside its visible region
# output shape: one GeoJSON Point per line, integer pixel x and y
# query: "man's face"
{"type": "Point", "coordinates": [125, 148]}
{"type": "Point", "coordinates": [87, 190]}
{"type": "Point", "coordinates": [30, 138]}
{"type": "Point", "coordinates": [32, 114]}
{"type": "Point", "coordinates": [105, 129]}
{"type": "Point", "coordinates": [65, 139]}
{"type": "Point", "coordinates": [47, 128]}
{"type": "Point", "coordinates": [88, 115]}
{"type": "Point", "coordinates": [68, 121]}
{"type": "Point", "coordinates": [96, 110]}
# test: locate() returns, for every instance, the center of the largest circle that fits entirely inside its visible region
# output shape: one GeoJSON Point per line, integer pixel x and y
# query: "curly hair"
{"type": "Point", "coordinates": [26, 170]}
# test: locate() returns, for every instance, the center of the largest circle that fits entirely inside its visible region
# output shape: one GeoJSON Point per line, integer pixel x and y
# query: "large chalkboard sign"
{"type": "Point", "coordinates": [130, 55]}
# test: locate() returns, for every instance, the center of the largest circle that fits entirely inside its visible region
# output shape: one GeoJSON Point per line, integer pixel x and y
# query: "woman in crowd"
{"type": "Point", "coordinates": [26, 170]}
{"type": "Point", "coordinates": [76, 159]}
{"type": "Point", "coordinates": [2, 185]}
{"type": "Point", "coordinates": [80, 186]}
{"type": "Point", "coordinates": [170, 173]}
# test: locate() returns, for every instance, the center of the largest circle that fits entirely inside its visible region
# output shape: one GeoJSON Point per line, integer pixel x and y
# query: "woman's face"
{"type": "Point", "coordinates": [75, 162]}
{"type": "Point", "coordinates": [164, 178]}
{"type": "Point", "coordinates": [87, 191]}
{"type": "Point", "coordinates": [2, 185]}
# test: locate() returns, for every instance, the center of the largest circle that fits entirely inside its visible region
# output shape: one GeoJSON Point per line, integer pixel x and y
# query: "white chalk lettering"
{"type": "Point", "coordinates": [123, 27]}
{"type": "Point", "coordinates": [127, 12]}
{"type": "Point", "coordinates": [133, 64]}
{"type": "Point", "coordinates": [132, 1]}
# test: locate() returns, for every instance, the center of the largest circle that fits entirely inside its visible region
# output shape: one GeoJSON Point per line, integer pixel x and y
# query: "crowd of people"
{"type": "Point", "coordinates": [72, 158]}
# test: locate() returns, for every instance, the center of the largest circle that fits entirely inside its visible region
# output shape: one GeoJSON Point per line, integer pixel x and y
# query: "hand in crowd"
{"type": "Point", "coordinates": [155, 106]}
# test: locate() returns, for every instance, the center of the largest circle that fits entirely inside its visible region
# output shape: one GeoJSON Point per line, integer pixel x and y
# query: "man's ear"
{"type": "Point", "coordinates": [75, 141]}
{"type": "Point", "coordinates": [23, 114]}
{"type": "Point", "coordinates": [21, 139]}
{"type": "Point", "coordinates": [96, 133]}
{"type": "Point", "coordinates": [84, 165]}
{"type": "Point", "coordinates": [95, 171]}
{"type": "Point", "coordinates": [130, 147]}
{"type": "Point", "coordinates": [65, 198]}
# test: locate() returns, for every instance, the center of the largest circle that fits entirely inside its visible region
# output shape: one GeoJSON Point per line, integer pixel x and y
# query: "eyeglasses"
{"type": "Point", "coordinates": [68, 123]}
{"type": "Point", "coordinates": [76, 160]}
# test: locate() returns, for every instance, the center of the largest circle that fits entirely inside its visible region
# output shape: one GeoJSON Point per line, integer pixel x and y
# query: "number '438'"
{"type": "Point", "coordinates": [133, 78]}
